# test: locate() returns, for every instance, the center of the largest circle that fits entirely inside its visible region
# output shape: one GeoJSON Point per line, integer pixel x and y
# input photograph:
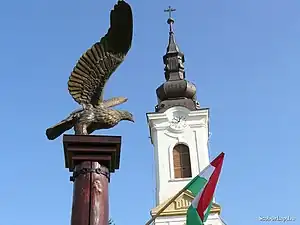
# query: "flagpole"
{"type": "Point", "coordinates": [173, 199]}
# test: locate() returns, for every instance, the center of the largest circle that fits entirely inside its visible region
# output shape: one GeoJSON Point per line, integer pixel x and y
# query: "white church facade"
{"type": "Point", "coordinates": [179, 131]}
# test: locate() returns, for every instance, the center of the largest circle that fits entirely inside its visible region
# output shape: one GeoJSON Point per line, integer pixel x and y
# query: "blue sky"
{"type": "Point", "coordinates": [243, 57]}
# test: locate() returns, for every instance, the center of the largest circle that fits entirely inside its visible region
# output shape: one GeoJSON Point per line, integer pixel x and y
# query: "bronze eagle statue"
{"type": "Point", "coordinates": [89, 76]}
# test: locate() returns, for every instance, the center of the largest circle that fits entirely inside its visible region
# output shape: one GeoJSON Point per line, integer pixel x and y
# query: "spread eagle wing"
{"type": "Point", "coordinates": [114, 101]}
{"type": "Point", "coordinates": [96, 65]}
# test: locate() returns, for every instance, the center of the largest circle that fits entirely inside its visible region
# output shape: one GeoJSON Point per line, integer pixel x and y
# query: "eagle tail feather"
{"type": "Point", "coordinates": [61, 127]}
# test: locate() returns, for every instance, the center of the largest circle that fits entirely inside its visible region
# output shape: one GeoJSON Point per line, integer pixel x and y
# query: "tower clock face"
{"type": "Point", "coordinates": [178, 122]}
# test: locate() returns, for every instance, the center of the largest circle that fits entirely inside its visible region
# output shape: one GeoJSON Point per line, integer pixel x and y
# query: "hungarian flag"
{"type": "Point", "coordinates": [203, 187]}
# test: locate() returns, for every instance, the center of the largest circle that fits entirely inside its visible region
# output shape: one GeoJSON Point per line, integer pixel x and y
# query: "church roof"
{"type": "Point", "coordinates": [176, 90]}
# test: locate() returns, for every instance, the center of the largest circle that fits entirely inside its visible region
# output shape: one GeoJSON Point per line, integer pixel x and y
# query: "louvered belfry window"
{"type": "Point", "coordinates": [181, 161]}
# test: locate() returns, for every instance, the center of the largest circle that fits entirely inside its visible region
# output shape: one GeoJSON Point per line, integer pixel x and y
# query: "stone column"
{"type": "Point", "coordinates": [91, 159]}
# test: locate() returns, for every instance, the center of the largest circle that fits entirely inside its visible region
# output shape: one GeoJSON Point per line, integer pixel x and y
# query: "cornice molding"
{"type": "Point", "coordinates": [180, 206]}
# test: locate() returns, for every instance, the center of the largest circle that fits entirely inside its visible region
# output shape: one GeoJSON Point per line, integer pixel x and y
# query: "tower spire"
{"type": "Point", "coordinates": [176, 91]}
{"type": "Point", "coordinates": [172, 46]}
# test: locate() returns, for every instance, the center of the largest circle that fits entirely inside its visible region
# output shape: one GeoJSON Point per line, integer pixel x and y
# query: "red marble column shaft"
{"type": "Point", "coordinates": [90, 196]}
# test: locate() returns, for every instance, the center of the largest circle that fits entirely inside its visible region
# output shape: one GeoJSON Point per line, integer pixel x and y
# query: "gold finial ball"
{"type": "Point", "coordinates": [170, 20]}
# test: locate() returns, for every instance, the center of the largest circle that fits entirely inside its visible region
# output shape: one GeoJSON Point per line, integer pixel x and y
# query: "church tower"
{"type": "Point", "coordinates": [179, 131]}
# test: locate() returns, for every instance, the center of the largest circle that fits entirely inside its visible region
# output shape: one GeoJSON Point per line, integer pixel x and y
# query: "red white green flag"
{"type": "Point", "coordinates": [201, 205]}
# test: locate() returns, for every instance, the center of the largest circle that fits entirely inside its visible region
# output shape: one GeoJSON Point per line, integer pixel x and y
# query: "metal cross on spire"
{"type": "Point", "coordinates": [170, 10]}
{"type": "Point", "coordinates": [170, 19]}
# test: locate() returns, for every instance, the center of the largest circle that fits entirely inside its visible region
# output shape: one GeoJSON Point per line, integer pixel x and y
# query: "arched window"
{"type": "Point", "coordinates": [181, 161]}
